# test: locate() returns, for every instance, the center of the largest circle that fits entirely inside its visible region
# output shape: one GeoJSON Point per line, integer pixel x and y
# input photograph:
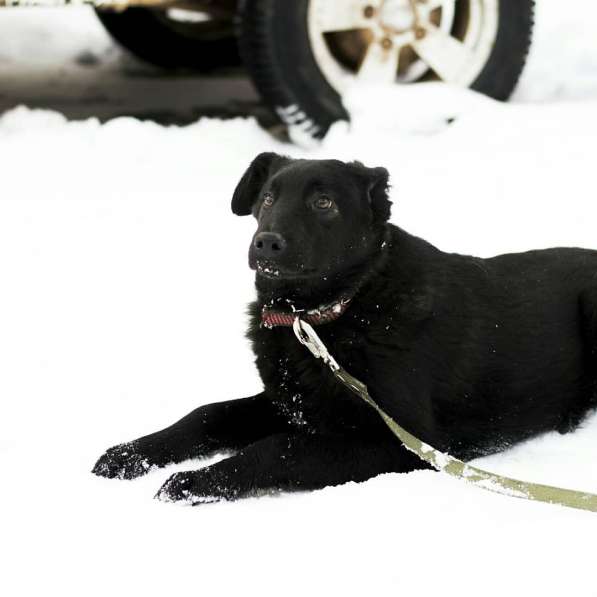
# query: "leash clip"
{"type": "Point", "coordinates": [307, 336]}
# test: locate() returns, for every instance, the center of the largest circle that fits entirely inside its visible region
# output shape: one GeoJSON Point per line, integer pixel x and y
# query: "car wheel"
{"type": "Point", "coordinates": [176, 38]}
{"type": "Point", "coordinates": [304, 55]}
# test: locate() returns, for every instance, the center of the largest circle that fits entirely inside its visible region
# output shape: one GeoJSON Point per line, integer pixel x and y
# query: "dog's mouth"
{"type": "Point", "coordinates": [271, 271]}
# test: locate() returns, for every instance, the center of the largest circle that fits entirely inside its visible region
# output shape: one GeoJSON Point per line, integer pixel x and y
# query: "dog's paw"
{"type": "Point", "coordinates": [124, 461]}
{"type": "Point", "coordinates": [193, 488]}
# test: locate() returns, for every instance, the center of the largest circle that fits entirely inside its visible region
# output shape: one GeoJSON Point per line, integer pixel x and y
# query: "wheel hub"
{"type": "Point", "coordinates": [397, 16]}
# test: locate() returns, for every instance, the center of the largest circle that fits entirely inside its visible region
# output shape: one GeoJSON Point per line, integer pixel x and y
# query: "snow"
{"type": "Point", "coordinates": [49, 37]}
{"type": "Point", "coordinates": [107, 236]}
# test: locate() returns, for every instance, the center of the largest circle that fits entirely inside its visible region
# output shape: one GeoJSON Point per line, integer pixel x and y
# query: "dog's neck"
{"type": "Point", "coordinates": [325, 302]}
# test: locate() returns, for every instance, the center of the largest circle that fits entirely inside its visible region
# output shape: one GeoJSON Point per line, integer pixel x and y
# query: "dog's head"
{"type": "Point", "coordinates": [317, 220]}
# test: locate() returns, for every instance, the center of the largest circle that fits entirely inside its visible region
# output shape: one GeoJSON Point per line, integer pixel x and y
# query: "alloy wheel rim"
{"type": "Point", "coordinates": [401, 41]}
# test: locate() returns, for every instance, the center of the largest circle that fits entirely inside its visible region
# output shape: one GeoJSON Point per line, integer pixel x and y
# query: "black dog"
{"type": "Point", "coordinates": [469, 354]}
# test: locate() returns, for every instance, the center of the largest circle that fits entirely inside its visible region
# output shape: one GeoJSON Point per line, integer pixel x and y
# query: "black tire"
{"type": "Point", "coordinates": [151, 36]}
{"type": "Point", "coordinates": [274, 45]}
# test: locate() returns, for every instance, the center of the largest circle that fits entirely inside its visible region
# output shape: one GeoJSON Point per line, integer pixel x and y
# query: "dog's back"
{"type": "Point", "coordinates": [502, 348]}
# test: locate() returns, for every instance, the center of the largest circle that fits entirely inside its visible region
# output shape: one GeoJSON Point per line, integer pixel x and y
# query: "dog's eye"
{"type": "Point", "coordinates": [268, 200]}
{"type": "Point", "coordinates": [323, 202]}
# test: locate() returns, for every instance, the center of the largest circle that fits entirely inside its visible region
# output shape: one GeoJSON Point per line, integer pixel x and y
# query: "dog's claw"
{"type": "Point", "coordinates": [122, 462]}
{"type": "Point", "coordinates": [185, 488]}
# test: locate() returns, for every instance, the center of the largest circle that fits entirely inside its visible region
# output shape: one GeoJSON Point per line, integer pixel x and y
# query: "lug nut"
{"type": "Point", "coordinates": [369, 12]}
{"type": "Point", "coordinates": [387, 43]}
{"type": "Point", "coordinates": [420, 32]}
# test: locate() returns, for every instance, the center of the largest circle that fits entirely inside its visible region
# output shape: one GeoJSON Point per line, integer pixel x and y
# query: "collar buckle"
{"type": "Point", "coordinates": [307, 336]}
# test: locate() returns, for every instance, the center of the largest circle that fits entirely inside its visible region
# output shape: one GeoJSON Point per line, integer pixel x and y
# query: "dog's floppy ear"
{"type": "Point", "coordinates": [261, 168]}
{"type": "Point", "coordinates": [377, 185]}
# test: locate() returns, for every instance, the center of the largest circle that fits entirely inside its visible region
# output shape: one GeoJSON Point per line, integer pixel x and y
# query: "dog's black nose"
{"type": "Point", "coordinates": [269, 245]}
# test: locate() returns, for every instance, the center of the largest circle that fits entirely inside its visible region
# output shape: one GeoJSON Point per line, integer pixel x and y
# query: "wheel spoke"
{"type": "Point", "coordinates": [445, 54]}
{"type": "Point", "coordinates": [344, 15]}
{"type": "Point", "coordinates": [379, 65]}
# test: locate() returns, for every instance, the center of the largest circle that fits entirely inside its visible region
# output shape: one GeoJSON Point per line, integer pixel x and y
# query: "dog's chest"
{"type": "Point", "coordinates": [305, 391]}
{"type": "Point", "coordinates": [290, 395]}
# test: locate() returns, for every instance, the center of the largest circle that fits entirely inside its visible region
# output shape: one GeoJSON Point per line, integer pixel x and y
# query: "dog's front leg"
{"type": "Point", "coordinates": [221, 426]}
{"type": "Point", "coordinates": [289, 462]}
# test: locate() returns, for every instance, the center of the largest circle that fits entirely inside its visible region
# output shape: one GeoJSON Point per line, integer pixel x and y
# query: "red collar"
{"type": "Point", "coordinates": [271, 317]}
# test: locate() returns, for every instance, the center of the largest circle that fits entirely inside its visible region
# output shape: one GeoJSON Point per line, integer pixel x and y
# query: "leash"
{"type": "Point", "coordinates": [439, 460]}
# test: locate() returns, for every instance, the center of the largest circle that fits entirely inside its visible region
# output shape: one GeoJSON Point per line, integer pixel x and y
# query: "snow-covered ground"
{"type": "Point", "coordinates": [106, 234]}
